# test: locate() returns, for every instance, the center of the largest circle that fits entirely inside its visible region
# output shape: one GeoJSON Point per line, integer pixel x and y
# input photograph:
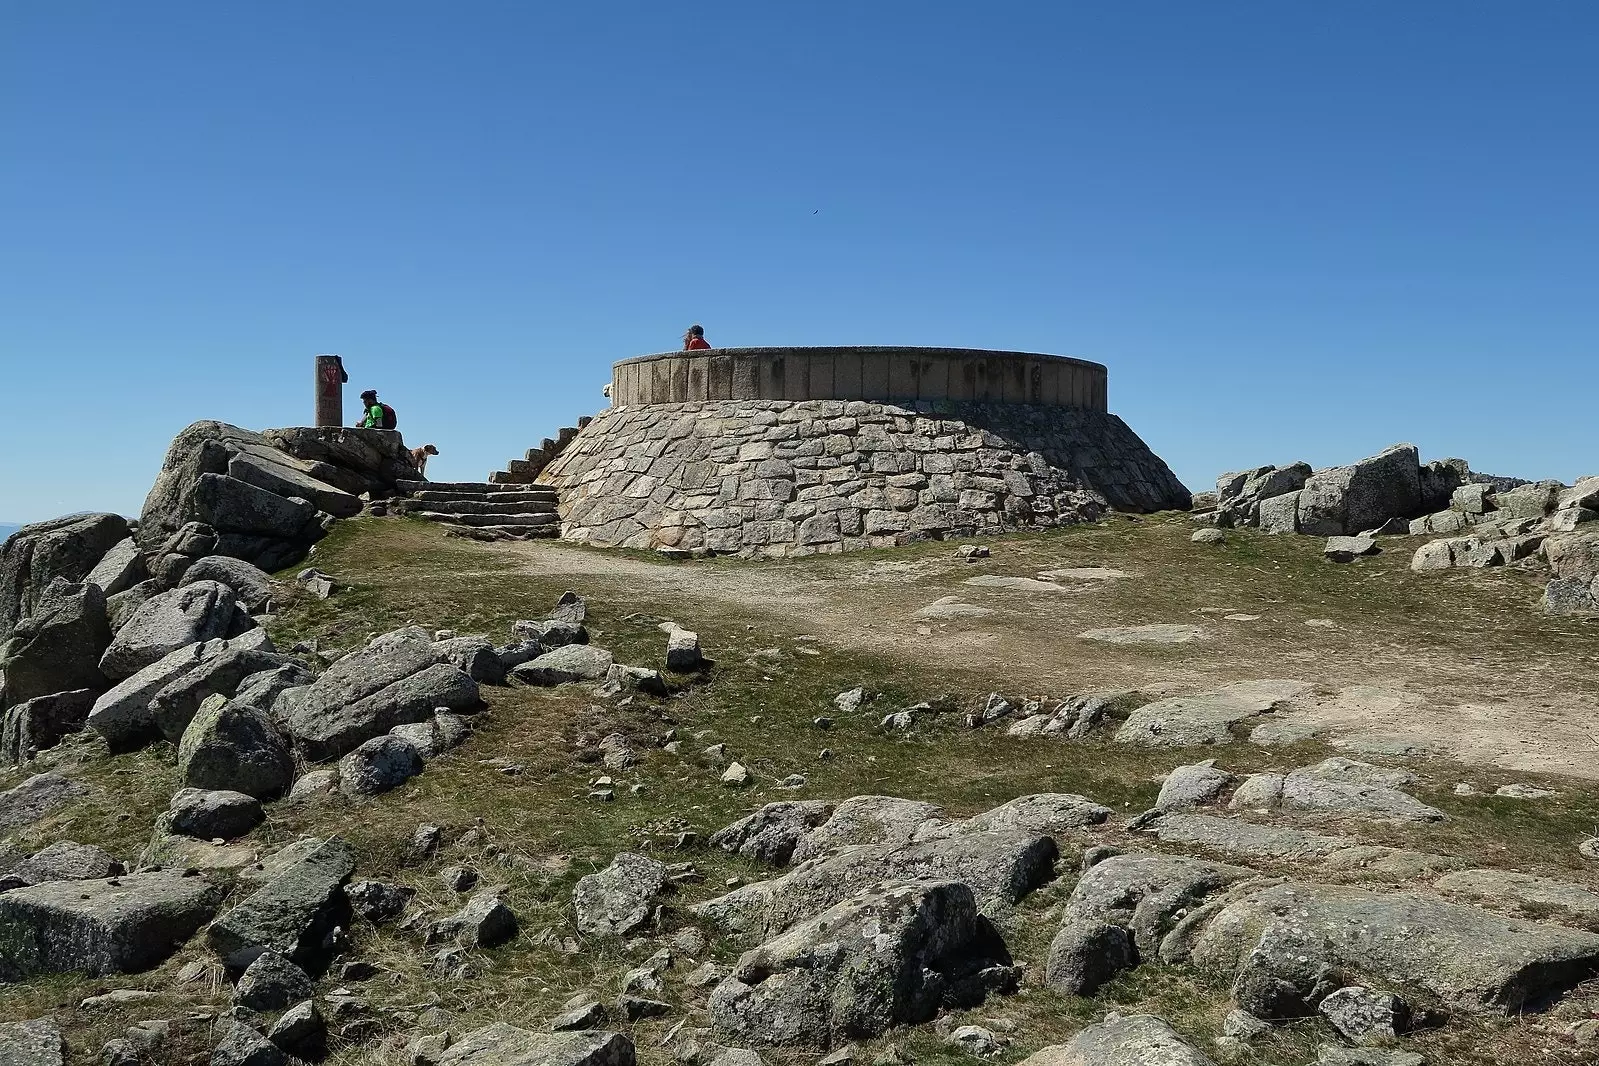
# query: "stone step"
{"type": "Point", "coordinates": [510, 532]}
{"type": "Point", "coordinates": [512, 494]}
{"type": "Point", "coordinates": [519, 521]}
{"type": "Point", "coordinates": [481, 506]}
{"type": "Point", "coordinates": [456, 486]}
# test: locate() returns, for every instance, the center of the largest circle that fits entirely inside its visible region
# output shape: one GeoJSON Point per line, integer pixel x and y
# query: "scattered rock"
{"type": "Point", "coordinates": [271, 983]}
{"type": "Point", "coordinates": [587, 1014]}
{"type": "Point", "coordinates": [968, 553]}
{"type": "Point", "coordinates": [376, 901]}
{"type": "Point", "coordinates": [207, 815]}
{"type": "Point", "coordinates": [235, 748]}
{"type": "Point", "coordinates": [772, 833]}
{"type": "Point", "coordinates": [1193, 786]}
{"type": "Point", "coordinates": [618, 900]}
{"type": "Point", "coordinates": [683, 651]}
{"type": "Point", "coordinates": [300, 1031]}
{"type": "Point", "coordinates": [1364, 1016]}
{"type": "Point", "coordinates": [849, 702]}
{"type": "Point", "coordinates": [485, 922]}
{"type": "Point", "coordinates": [242, 1046]}
{"type": "Point", "coordinates": [1348, 549]}
{"type": "Point", "coordinates": [1160, 633]}
{"type": "Point", "coordinates": [736, 775]}
{"type": "Point", "coordinates": [564, 665]}
{"type": "Point", "coordinates": [975, 1040]}
{"type": "Point", "coordinates": [1524, 792]}
{"type": "Point", "coordinates": [1209, 535]}
{"type": "Point", "coordinates": [379, 765]}
{"type": "Point", "coordinates": [1133, 1040]}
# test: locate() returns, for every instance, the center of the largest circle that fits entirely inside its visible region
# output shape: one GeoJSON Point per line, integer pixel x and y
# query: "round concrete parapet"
{"type": "Point", "coordinates": [881, 374]}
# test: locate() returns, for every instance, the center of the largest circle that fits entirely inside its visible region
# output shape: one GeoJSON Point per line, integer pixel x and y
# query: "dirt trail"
{"type": "Point", "coordinates": [1462, 683]}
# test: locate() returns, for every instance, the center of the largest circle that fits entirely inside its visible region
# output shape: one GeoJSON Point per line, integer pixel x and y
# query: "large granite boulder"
{"type": "Point", "coordinates": [32, 1043]}
{"type": "Point", "coordinates": [893, 954]}
{"type": "Point", "coordinates": [292, 913]}
{"type": "Point", "coordinates": [174, 706]}
{"type": "Point", "coordinates": [123, 714]}
{"type": "Point", "coordinates": [1131, 1040]}
{"type": "Point", "coordinates": [120, 569]}
{"type": "Point", "coordinates": [1364, 495]}
{"type": "Point", "coordinates": [35, 555]}
{"type": "Point", "coordinates": [189, 615]}
{"type": "Point", "coordinates": [251, 585]}
{"type": "Point", "coordinates": [501, 1044]}
{"type": "Point", "coordinates": [65, 860]}
{"type": "Point", "coordinates": [230, 746]}
{"type": "Point", "coordinates": [36, 797]}
{"type": "Point", "coordinates": [41, 723]}
{"type": "Point", "coordinates": [620, 898]}
{"type": "Point", "coordinates": [395, 680]}
{"type": "Point", "coordinates": [771, 833]}
{"type": "Point", "coordinates": [1239, 494]}
{"type": "Point", "coordinates": [211, 814]}
{"type": "Point", "coordinates": [121, 924]}
{"type": "Point", "coordinates": [867, 820]}
{"type": "Point", "coordinates": [57, 648]}
{"type": "Point", "coordinates": [1279, 945]}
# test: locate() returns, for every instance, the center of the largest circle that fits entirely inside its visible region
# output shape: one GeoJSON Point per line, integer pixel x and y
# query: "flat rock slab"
{"type": "Point", "coordinates": [1134, 1040]}
{"type": "Point", "coordinates": [1208, 717]}
{"type": "Point", "coordinates": [1158, 633]}
{"type": "Point", "coordinates": [37, 797]}
{"type": "Point", "coordinates": [952, 607]}
{"type": "Point", "coordinates": [35, 1043]}
{"type": "Point", "coordinates": [1084, 573]}
{"type": "Point", "coordinates": [566, 664]}
{"type": "Point", "coordinates": [1273, 843]}
{"type": "Point", "coordinates": [1313, 793]}
{"type": "Point", "coordinates": [1509, 886]}
{"type": "Point", "coordinates": [1014, 584]}
{"type": "Point", "coordinates": [111, 925]}
{"type": "Point", "coordinates": [289, 914]}
{"type": "Point", "coordinates": [1287, 936]}
{"type": "Point", "coordinates": [500, 1044]}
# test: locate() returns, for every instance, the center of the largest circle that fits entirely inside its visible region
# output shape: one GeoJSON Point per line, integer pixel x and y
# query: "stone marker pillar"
{"type": "Point", "coordinates": [329, 391]}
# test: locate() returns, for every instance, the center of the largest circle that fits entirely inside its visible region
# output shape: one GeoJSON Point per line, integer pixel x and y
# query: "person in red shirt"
{"type": "Point", "coordinates": [694, 339]}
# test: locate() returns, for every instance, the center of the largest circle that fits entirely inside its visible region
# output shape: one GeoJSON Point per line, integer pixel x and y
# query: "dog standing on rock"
{"type": "Point", "coordinates": [419, 459]}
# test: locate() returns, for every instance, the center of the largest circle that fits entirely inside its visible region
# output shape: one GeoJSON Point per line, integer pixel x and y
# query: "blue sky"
{"type": "Point", "coordinates": [1292, 231]}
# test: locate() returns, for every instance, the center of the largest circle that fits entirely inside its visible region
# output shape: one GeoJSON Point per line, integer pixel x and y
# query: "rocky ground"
{"type": "Point", "coordinates": [1102, 796]}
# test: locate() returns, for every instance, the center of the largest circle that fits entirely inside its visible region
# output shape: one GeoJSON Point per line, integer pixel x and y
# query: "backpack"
{"type": "Point", "coordinates": [389, 419]}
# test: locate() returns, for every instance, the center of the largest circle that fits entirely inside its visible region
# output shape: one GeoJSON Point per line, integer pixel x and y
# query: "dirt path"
{"type": "Point", "coordinates": [1466, 666]}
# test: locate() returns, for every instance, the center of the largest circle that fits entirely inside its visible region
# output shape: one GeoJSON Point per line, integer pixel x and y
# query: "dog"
{"type": "Point", "coordinates": [419, 459]}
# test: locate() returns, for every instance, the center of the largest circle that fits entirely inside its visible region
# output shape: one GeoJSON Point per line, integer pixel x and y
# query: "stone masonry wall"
{"type": "Point", "coordinates": [786, 478]}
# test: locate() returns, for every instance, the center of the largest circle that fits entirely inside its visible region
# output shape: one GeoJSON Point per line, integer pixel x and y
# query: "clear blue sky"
{"type": "Point", "coordinates": [1293, 231]}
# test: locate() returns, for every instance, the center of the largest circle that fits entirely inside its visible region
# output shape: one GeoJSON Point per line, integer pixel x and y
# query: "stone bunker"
{"type": "Point", "coordinates": [798, 451]}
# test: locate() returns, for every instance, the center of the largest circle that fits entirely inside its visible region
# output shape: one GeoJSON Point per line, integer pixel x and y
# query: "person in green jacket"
{"type": "Point", "coordinates": [372, 411]}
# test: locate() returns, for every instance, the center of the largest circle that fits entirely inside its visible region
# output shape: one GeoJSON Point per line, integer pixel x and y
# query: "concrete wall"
{"type": "Point", "coordinates": [963, 375]}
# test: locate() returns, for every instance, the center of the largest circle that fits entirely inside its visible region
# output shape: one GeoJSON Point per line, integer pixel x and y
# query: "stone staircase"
{"type": "Point", "coordinates": [483, 510]}
{"type": "Point", "coordinates": [525, 470]}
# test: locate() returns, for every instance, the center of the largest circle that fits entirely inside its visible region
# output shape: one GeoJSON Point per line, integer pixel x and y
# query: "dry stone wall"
{"type": "Point", "coordinates": [786, 478]}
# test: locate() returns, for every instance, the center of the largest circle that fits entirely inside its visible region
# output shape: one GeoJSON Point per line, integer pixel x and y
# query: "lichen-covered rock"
{"type": "Point", "coordinates": [210, 814]}
{"type": "Point", "coordinates": [1287, 937]}
{"type": "Point", "coordinates": [174, 706]}
{"type": "Point", "coordinates": [40, 723]}
{"type": "Point", "coordinates": [231, 747]}
{"type": "Point", "coordinates": [500, 1044]}
{"type": "Point", "coordinates": [1133, 1040]}
{"type": "Point", "coordinates": [1192, 786]}
{"type": "Point", "coordinates": [378, 765]}
{"type": "Point", "coordinates": [124, 924]}
{"type": "Point", "coordinates": [772, 833]}
{"type": "Point", "coordinates": [1336, 796]}
{"type": "Point", "coordinates": [291, 913]}
{"type": "Point", "coordinates": [189, 615]}
{"type": "Point", "coordinates": [35, 555]}
{"type": "Point", "coordinates": [58, 646]}
{"type": "Point", "coordinates": [36, 797]}
{"type": "Point", "coordinates": [566, 664]}
{"type": "Point", "coordinates": [271, 983]}
{"type": "Point", "coordinates": [65, 860]}
{"type": "Point", "coordinates": [1208, 717]}
{"type": "Point", "coordinates": [618, 900]}
{"type": "Point", "coordinates": [867, 820]}
{"type": "Point", "coordinates": [32, 1043]}
{"type": "Point", "coordinates": [251, 585]}
{"type": "Point", "coordinates": [890, 955]}
{"type": "Point", "coordinates": [395, 679]}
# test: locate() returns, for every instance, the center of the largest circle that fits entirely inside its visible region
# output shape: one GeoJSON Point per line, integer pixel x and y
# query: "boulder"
{"type": "Point", "coordinates": [894, 954]}
{"type": "Point", "coordinates": [484, 922]}
{"type": "Point", "coordinates": [1531, 500]}
{"type": "Point", "coordinates": [120, 569]}
{"type": "Point", "coordinates": [1051, 814]}
{"type": "Point", "coordinates": [32, 1043]}
{"type": "Point", "coordinates": [272, 983]}
{"type": "Point", "coordinates": [570, 608]}
{"type": "Point", "coordinates": [261, 690]}
{"type": "Point", "coordinates": [1086, 954]}
{"type": "Point", "coordinates": [771, 833]}
{"type": "Point", "coordinates": [209, 815]}
{"type": "Point", "coordinates": [1288, 937]}
{"type": "Point", "coordinates": [395, 679]}
{"type": "Point", "coordinates": [251, 585]}
{"type": "Point", "coordinates": [35, 555]}
{"type": "Point", "coordinates": [565, 664]}
{"type": "Point", "coordinates": [1364, 1016]}
{"type": "Point", "coordinates": [241, 1045]}
{"type": "Point", "coordinates": [1133, 1040]}
{"type": "Point", "coordinates": [65, 861]}
{"type": "Point", "coordinates": [234, 747]}
{"type": "Point", "coordinates": [1208, 717]}
{"type": "Point", "coordinates": [174, 706]}
{"type": "Point", "coordinates": [1280, 514]}
{"type": "Point", "coordinates": [473, 656]}
{"type": "Point", "coordinates": [57, 647]}
{"type": "Point", "coordinates": [499, 1044]}
{"type": "Point", "coordinates": [1348, 499]}
{"type": "Point", "coordinates": [123, 924]}
{"type": "Point", "coordinates": [378, 765]}
{"type": "Point", "coordinates": [1210, 535]}
{"type": "Point", "coordinates": [1193, 786]}
{"type": "Point", "coordinates": [172, 620]}
{"type": "Point", "coordinates": [436, 736]}
{"type": "Point", "coordinates": [277, 474]}
{"type": "Point", "coordinates": [291, 913]}
{"type": "Point", "coordinates": [867, 820]}
{"type": "Point", "coordinates": [358, 461]}
{"type": "Point", "coordinates": [1239, 496]}
{"type": "Point", "coordinates": [683, 651]}
{"type": "Point", "coordinates": [36, 797]}
{"type": "Point", "coordinates": [376, 901]}
{"type": "Point", "coordinates": [619, 899]}
{"type": "Point", "coordinates": [1302, 791]}
{"type": "Point", "coordinates": [1348, 549]}
{"type": "Point", "coordinates": [123, 715]}
{"type": "Point", "coordinates": [1001, 867]}
{"type": "Point", "coordinates": [40, 723]}
{"type": "Point", "coordinates": [300, 1031]}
